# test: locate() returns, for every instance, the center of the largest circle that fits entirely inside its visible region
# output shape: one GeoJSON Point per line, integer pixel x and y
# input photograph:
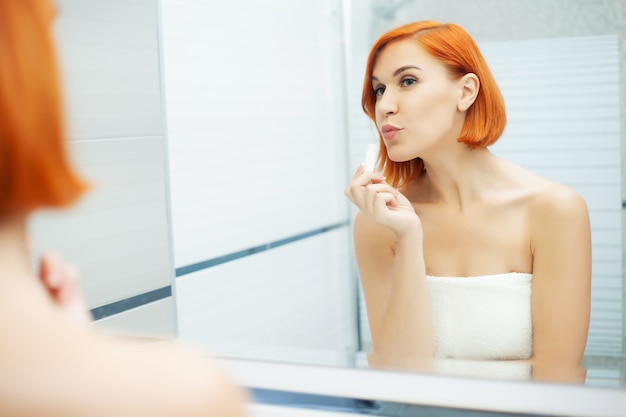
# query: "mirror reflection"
{"type": "Point", "coordinates": [450, 240]}
{"type": "Point", "coordinates": [221, 143]}
{"type": "Point", "coordinates": [550, 132]}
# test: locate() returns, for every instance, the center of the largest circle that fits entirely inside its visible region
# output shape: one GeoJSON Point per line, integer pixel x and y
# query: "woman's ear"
{"type": "Point", "coordinates": [469, 86]}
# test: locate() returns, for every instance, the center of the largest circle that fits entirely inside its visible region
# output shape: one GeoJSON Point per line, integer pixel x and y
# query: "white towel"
{"type": "Point", "coordinates": [490, 369]}
{"type": "Point", "coordinates": [483, 317]}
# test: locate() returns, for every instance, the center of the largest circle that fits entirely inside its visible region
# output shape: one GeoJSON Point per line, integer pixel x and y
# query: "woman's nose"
{"type": "Point", "coordinates": [387, 103]}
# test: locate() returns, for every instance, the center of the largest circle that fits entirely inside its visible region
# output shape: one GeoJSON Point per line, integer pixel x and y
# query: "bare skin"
{"type": "Point", "coordinates": [61, 280]}
{"type": "Point", "coordinates": [54, 364]}
{"type": "Point", "coordinates": [471, 213]}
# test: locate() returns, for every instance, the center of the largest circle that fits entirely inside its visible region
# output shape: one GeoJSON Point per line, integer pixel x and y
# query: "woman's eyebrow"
{"type": "Point", "coordinates": [400, 70]}
{"type": "Point", "coordinates": [404, 68]}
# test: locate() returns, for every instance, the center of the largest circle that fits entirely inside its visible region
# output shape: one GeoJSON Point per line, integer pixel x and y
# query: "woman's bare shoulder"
{"type": "Point", "coordinates": [553, 207]}
{"type": "Point", "coordinates": [549, 198]}
{"type": "Point", "coordinates": [544, 195]}
{"type": "Point", "coordinates": [46, 359]}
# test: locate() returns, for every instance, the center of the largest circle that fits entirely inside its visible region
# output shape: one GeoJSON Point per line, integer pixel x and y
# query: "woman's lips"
{"type": "Point", "coordinates": [389, 131]}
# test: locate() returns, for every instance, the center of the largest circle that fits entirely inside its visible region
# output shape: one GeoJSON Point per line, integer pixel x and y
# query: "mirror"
{"type": "Point", "coordinates": [248, 126]}
{"type": "Point", "coordinates": [270, 259]}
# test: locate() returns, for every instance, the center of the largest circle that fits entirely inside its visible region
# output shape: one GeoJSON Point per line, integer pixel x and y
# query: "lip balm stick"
{"type": "Point", "coordinates": [370, 158]}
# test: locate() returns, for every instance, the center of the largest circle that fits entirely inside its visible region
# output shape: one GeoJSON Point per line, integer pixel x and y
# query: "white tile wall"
{"type": "Point", "coordinates": [255, 122]}
{"type": "Point", "coordinates": [257, 151]}
{"type": "Point", "coordinates": [110, 55]}
{"type": "Point", "coordinates": [285, 304]}
{"type": "Point", "coordinates": [118, 234]}
{"type": "Point", "coordinates": [153, 319]}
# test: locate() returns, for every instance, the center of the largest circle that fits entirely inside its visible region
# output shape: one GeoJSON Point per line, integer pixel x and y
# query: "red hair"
{"type": "Point", "coordinates": [34, 167]}
{"type": "Point", "coordinates": [456, 50]}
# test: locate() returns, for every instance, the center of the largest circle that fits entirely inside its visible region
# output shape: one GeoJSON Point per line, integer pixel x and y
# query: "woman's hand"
{"type": "Point", "coordinates": [61, 281]}
{"type": "Point", "coordinates": [381, 202]}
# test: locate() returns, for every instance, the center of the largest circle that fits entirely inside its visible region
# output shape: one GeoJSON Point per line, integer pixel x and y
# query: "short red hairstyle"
{"type": "Point", "coordinates": [456, 50]}
{"type": "Point", "coordinates": [34, 166]}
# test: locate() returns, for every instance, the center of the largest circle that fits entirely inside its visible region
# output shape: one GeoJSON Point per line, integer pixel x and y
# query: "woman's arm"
{"type": "Point", "coordinates": [388, 246]}
{"type": "Point", "coordinates": [396, 296]}
{"type": "Point", "coordinates": [561, 284]}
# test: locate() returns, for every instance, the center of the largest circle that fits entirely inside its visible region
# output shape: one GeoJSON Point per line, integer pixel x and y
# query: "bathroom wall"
{"type": "Point", "coordinates": [118, 234]}
{"type": "Point", "coordinates": [257, 157]}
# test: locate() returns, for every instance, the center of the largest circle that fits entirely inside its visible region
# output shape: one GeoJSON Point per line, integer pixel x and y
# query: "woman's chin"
{"type": "Point", "coordinates": [399, 158]}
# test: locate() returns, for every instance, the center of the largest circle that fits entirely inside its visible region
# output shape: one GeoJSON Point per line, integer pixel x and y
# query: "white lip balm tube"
{"type": "Point", "coordinates": [370, 158]}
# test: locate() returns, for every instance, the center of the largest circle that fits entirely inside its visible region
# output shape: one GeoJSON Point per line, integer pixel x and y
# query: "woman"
{"type": "Point", "coordinates": [51, 362]}
{"type": "Point", "coordinates": [450, 240]}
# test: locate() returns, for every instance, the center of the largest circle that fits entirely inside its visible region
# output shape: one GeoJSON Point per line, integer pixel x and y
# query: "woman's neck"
{"type": "Point", "coordinates": [14, 250]}
{"type": "Point", "coordinates": [461, 177]}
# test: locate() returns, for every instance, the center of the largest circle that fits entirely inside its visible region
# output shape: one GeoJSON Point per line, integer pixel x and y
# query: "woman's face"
{"type": "Point", "coordinates": [416, 101]}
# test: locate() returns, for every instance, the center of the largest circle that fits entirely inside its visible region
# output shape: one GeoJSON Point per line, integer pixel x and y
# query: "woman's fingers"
{"type": "Point", "coordinates": [373, 193]}
{"type": "Point", "coordinates": [51, 271]}
{"type": "Point", "coordinates": [361, 181]}
{"type": "Point", "coordinates": [382, 203]}
{"type": "Point", "coordinates": [61, 280]}
{"type": "Point", "coordinates": [362, 178]}
{"type": "Point", "coordinates": [59, 277]}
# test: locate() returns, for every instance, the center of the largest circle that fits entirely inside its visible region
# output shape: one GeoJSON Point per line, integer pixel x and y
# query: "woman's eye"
{"type": "Point", "coordinates": [407, 82]}
{"type": "Point", "coordinates": [378, 91]}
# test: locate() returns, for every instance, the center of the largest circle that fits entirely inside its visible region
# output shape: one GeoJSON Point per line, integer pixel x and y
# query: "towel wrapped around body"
{"type": "Point", "coordinates": [482, 317]}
